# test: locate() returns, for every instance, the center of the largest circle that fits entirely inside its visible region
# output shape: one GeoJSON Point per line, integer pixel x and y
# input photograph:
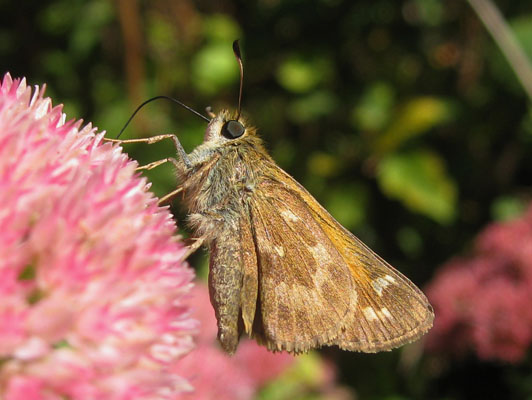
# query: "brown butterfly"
{"type": "Point", "coordinates": [282, 269]}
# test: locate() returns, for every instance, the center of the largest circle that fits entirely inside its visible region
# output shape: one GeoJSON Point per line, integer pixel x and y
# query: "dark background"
{"type": "Point", "coordinates": [402, 117]}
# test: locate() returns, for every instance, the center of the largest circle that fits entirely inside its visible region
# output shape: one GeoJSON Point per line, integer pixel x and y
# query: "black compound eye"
{"type": "Point", "coordinates": [233, 129]}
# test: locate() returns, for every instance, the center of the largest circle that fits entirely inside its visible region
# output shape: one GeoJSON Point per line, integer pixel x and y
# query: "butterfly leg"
{"type": "Point", "coordinates": [197, 242]}
{"type": "Point", "coordinates": [154, 139]}
{"type": "Point", "coordinates": [170, 195]}
{"type": "Point", "coordinates": [155, 164]}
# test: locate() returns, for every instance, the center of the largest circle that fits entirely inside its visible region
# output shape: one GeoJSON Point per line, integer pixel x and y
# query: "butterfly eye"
{"type": "Point", "coordinates": [233, 129]}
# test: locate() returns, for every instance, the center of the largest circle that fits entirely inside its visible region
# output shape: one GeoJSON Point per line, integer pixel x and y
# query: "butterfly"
{"type": "Point", "coordinates": [282, 270]}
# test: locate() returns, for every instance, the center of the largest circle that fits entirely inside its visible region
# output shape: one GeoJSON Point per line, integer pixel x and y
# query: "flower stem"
{"type": "Point", "coordinates": [494, 22]}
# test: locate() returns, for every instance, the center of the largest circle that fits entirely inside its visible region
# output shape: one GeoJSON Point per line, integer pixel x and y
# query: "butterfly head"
{"type": "Point", "coordinates": [226, 127]}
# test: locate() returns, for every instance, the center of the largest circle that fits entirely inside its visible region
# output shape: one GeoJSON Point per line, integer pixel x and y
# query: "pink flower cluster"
{"type": "Point", "coordinates": [217, 376]}
{"type": "Point", "coordinates": [92, 286]}
{"type": "Point", "coordinates": [483, 302]}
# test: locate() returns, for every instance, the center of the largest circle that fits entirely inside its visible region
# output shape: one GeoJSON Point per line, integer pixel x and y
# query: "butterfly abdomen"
{"type": "Point", "coordinates": [216, 195]}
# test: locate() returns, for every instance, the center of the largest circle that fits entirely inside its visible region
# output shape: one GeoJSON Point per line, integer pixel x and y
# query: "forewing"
{"type": "Point", "coordinates": [305, 291]}
{"type": "Point", "coordinates": [391, 310]}
{"type": "Point", "coordinates": [306, 288]}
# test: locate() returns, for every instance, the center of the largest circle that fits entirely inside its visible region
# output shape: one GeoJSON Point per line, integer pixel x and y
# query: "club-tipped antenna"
{"type": "Point", "coordinates": [157, 98]}
{"type": "Point", "coordinates": [236, 50]}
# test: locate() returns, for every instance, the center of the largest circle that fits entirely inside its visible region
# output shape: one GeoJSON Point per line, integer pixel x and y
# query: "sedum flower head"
{"type": "Point", "coordinates": [92, 284]}
{"type": "Point", "coordinates": [482, 302]}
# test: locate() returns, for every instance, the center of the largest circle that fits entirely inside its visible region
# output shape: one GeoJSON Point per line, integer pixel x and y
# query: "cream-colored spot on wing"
{"type": "Point", "coordinates": [289, 215]}
{"type": "Point", "coordinates": [379, 284]}
{"type": "Point", "coordinates": [280, 250]}
{"type": "Point", "coordinates": [319, 252]}
{"type": "Point", "coordinates": [389, 278]}
{"type": "Point", "coordinates": [384, 312]}
{"type": "Point", "coordinates": [369, 313]}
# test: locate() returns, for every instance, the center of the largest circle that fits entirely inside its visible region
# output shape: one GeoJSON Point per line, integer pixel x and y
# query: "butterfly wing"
{"type": "Point", "coordinates": [391, 310]}
{"type": "Point", "coordinates": [305, 288]}
{"type": "Point", "coordinates": [319, 284]}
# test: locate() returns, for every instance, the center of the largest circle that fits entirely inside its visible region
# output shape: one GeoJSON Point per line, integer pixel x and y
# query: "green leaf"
{"type": "Point", "coordinates": [301, 75]}
{"type": "Point", "coordinates": [506, 208]}
{"type": "Point", "coordinates": [311, 107]}
{"type": "Point", "coordinates": [160, 35]}
{"type": "Point", "coordinates": [220, 27]}
{"type": "Point", "coordinates": [348, 204]}
{"type": "Point", "coordinates": [214, 67]}
{"type": "Point", "coordinates": [414, 118]}
{"type": "Point", "coordinates": [300, 381]}
{"type": "Point", "coordinates": [373, 111]}
{"type": "Point", "coordinates": [420, 181]}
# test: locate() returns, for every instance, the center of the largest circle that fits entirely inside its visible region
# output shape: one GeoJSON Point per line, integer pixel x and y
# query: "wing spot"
{"type": "Point", "coordinates": [389, 278]}
{"type": "Point", "coordinates": [280, 250]}
{"type": "Point", "coordinates": [384, 311]}
{"type": "Point", "coordinates": [319, 251]}
{"type": "Point", "coordinates": [379, 284]}
{"type": "Point", "coordinates": [289, 215]}
{"type": "Point", "coordinates": [369, 313]}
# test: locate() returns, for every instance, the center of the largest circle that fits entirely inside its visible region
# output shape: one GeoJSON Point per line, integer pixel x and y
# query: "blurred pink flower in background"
{"type": "Point", "coordinates": [217, 376]}
{"type": "Point", "coordinates": [483, 302]}
{"type": "Point", "coordinates": [92, 284]}
{"type": "Point", "coordinates": [214, 374]}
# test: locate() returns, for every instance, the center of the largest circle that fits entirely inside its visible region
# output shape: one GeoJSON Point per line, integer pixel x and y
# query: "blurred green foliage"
{"type": "Point", "coordinates": [418, 179]}
{"type": "Point", "coordinates": [401, 117]}
{"type": "Point", "coordinates": [306, 379]}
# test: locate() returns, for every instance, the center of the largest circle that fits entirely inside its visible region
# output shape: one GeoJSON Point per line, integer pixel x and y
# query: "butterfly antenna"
{"type": "Point", "coordinates": [236, 50]}
{"type": "Point", "coordinates": [157, 98]}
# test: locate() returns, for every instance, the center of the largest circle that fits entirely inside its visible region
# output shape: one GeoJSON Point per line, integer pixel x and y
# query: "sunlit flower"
{"type": "Point", "coordinates": [92, 284]}
{"type": "Point", "coordinates": [483, 302]}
